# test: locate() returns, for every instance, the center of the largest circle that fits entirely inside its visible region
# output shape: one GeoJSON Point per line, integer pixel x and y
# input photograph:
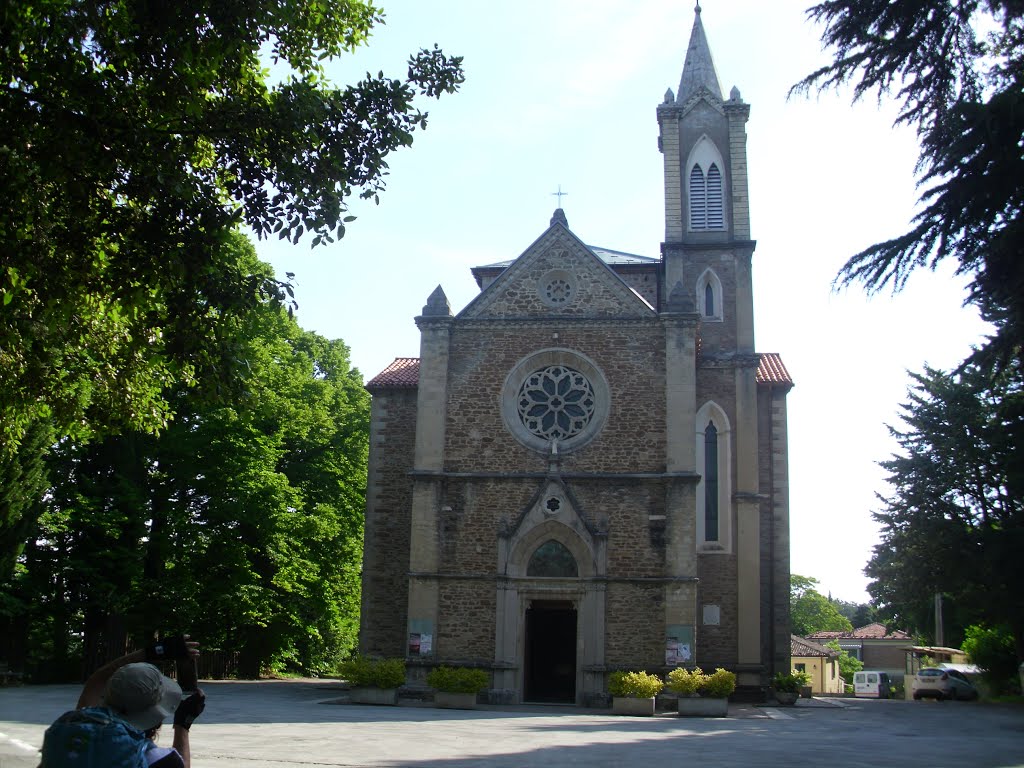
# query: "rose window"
{"type": "Point", "coordinates": [556, 402]}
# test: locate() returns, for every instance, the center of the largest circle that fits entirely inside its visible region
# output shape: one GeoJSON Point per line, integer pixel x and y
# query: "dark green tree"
{"type": "Point", "coordinates": [953, 522]}
{"type": "Point", "coordinates": [241, 523]}
{"type": "Point", "coordinates": [810, 611]}
{"type": "Point", "coordinates": [135, 136]}
{"type": "Point", "coordinates": [859, 614]}
{"type": "Point", "coordinates": [992, 649]}
{"type": "Point", "coordinates": [22, 483]}
{"type": "Point", "coordinates": [963, 91]}
{"type": "Point", "coordinates": [848, 665]}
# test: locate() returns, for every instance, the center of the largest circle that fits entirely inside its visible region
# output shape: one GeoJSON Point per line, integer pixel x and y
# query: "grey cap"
{"type": "Point", "coordinates": [141, 695]}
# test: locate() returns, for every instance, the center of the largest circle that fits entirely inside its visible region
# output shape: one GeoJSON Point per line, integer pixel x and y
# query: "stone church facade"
{"type": "Point", "coordinates": [586, 468]}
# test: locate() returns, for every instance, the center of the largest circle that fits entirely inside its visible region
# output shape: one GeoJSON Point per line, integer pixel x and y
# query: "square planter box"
{"type": "Point", "coordinates": [699, 706]}
{"type": "Point", "coordinates": [626, 705]}
{"type": "Point", "coordinates": [388, 696]}
{"type": "Point", "coordinates": [447, 700]}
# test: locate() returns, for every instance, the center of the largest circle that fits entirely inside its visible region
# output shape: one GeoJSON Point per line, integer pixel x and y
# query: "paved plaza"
{"type": "Point", "coordinates": [307, 723]}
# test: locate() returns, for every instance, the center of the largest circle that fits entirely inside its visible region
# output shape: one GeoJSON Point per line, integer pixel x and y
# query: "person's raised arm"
{"type": "Point", "coordinates": [92, 691]}
{"type": "Point", "coordinates": [186, 713]}
{"type": "Point", "coordinates": [169, 649]}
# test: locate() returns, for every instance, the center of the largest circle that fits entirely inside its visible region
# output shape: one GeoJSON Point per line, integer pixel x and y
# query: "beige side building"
{"type": "Point", "coordinates": [821, 665]}
{"type": "Point", "coordinates": [586, 468]}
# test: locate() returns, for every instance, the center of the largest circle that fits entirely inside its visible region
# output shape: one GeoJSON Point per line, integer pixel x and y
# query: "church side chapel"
{"type": "Point", "coordinates": [586, 468]}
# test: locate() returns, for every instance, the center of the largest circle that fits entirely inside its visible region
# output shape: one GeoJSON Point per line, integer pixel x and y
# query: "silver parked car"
{"type": "Point", "coordinates": [942, 684]}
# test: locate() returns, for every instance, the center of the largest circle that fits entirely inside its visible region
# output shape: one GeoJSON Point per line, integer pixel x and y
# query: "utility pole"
{"type": "Point", "coordinates": [939, 638]}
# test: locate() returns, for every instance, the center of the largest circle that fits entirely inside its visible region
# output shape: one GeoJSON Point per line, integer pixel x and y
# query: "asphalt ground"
{"type": "Point", "coordinates": [286, 724]}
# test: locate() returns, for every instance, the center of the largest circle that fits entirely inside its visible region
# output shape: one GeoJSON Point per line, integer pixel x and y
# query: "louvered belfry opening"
{"type": "Point", "coordinates": [706, 207]}
{"type": "Point", "coordinates": [698, 198]}
{"type": "Point", "coordinates": [714, 198]}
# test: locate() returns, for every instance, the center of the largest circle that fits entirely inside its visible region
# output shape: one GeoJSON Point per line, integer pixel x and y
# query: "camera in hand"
{"type": "Point", "coordinates": [188, 675]}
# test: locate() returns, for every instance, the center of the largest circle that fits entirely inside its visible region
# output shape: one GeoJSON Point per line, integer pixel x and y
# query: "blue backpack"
{"type": "Point", "coordinates": [93, 738]}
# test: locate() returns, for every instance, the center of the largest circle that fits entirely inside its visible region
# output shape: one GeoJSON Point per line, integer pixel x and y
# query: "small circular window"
{"type": "Point", "coordinates": [557, 288]}
{"type": "Point", "coordinates": [555, 397]}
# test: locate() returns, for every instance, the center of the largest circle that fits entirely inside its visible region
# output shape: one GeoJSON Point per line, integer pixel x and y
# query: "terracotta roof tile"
{"type": "Point", "coordinates": [772, 370]}
{"type": "Point", "coordinates": [403, 373]}
{"type": "Point", "coordinates": [874, 631]}
{"type": "Point", "coordinates": [877, 630]}
{"type": "Point", "coordinates": [800, 647]}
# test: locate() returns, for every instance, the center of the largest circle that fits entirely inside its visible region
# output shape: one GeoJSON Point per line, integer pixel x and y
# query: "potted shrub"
{"type": "Point", "coordinates": [787, 686]}
{"type": "Point", "coordinates": [373, 681]}
{"type": "Point", "coordinates": [457, 687]}
{"type": "Point", "coordinates": [700, 694]}
{"type": "Point", "coordinates": [633, 692]}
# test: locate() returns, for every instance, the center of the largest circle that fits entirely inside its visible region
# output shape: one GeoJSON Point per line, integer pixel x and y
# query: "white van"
{"type": "Point", "coordinates": [871, 685]}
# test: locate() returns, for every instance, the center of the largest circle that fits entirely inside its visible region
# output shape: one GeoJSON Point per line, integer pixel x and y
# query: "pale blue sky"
{"type": "Point", "coordinates": [564, 92]}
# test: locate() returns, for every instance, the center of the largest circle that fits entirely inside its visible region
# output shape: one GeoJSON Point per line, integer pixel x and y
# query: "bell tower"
{"type": "Point", "coordinates": [706, 262]}
{"type": "Point", "coordinates": [707, 247]}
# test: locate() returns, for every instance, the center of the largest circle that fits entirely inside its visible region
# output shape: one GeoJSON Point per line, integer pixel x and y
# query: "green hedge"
{"type": "Point", "coordinates": [364, 672]}
{"type": "Point", "coordinates": [458, 679]}
{"type": "Point", "coordinates": [637, 685]}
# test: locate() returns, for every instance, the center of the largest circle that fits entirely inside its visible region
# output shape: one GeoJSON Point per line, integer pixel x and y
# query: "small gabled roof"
{"type": "Point", "coordinates": [403, 373]}
{"type": "Point", "coordinates": [798, 646]}
{"type": "Point", "coordinates": [772, 370]}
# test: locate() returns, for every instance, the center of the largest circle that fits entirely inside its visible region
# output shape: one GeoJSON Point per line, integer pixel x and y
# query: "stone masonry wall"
{"type": "Point", "coordinates": [717, 645]}
{"type": "Point", "coordinates": [386, 533]}
{"type": "Point", "coordinates": [716, 336]}
{"type": "Point", "coordinates": [466, 632]}
{"type": "Point", "coordinates": [644, 283]}
{"type": "Point", "coordinates": [635, 625]}
{"type": "Point", "coordinates": [596, 292]}
{"type": "Point", "coordinates": [774, 482]}
{"type": "Point", "coordinates": [631, 357]}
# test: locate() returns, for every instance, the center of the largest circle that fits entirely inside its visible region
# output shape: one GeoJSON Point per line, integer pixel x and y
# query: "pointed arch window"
{"type": "Point", "coordinates": [706, 184]}
{"type": "Point", "coordinates": [707, 294]}
{"type": "Point", "coordinates": [714, 489]}
{"type": "Point", "coordinates": [710, 476]}
{"type": "Point", "coordinates": [552, 558]}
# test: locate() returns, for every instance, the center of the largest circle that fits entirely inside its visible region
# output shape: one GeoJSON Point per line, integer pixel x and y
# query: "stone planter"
{"type": "Point", "coordinates": [378, 696]}
{"type": "Point", "coordinates": [786, 698]}
{"type": "Point", "coordinates": [447, 700]}
{"type": "Point", "coordinates": [702, 706]}
{"type": "Point", "coordinates": [627, 705]}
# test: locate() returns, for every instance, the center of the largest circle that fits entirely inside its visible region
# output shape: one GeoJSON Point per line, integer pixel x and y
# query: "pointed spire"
{"type": "Point", "coordinates": [698, 69]}
{"type": "Point", "coordinates": [558, 217]}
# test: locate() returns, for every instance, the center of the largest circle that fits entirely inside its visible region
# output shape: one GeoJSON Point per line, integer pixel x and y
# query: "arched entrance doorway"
{"type": "Point", "coordinates": [549, 638]}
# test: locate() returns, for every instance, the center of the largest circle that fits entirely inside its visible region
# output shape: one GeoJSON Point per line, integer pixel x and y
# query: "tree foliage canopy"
{"type": "Point", "coordinates": [810, 611]}
{"type": "Point", "coordinates": [954, 520]}
{"type": "Point", "coordinates": [135, 136]}
{"type": "Point", "coordinates": [957, 69]}
{"type": "Point", "coordinates": [240, 524]}
{"type": "Point", "coordinates": [848, 666]}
